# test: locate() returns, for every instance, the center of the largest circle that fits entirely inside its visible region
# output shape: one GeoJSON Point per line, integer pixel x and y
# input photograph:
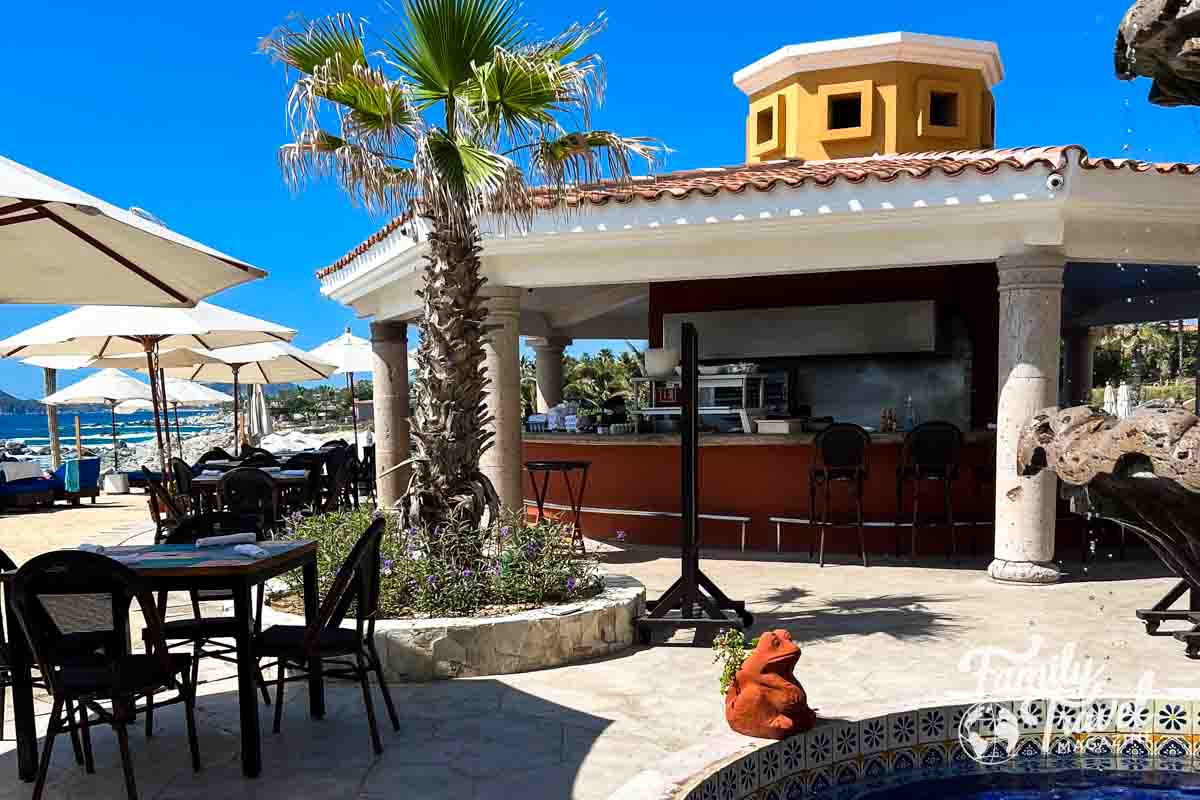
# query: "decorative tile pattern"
{"type": "Point", "coordinates": [770, 764]}
{"type": "Point", "coordinates": [1172, 747]}
{"type": "Point", "coordinates": [820, 746]}
{"type": "Point", "coordinates": [1100, 716]}
{"type": "Point", "coordinates": [846, 773]}
{"type": "Point", "coordinates": [748, 774]}
{"type": "Point", "coordinates": [1065, 717]}
{"type": "Point", "coordinates": [902, 730]}
{"type": "Point", "coordinates": [710, 789]}
{"type": "Point", "coordinates": [1172, 717]}
{"type": "Point", "coordinates": [903, 760]}
{"type": "Point", "coordinates": [1062, 745]}
{"type": "Point", "coordinates": [795, 787]}
{"type": "Point", "coordinates": [1135, 746]}
{"type": "Point", "coordinates": [818, 780]}
{"type": "Point", "coordinates": [1029, 747]}
{"type": "Point", "coordinates": [932, 755]}
{"type": "Point", "coordinates": [1031, 715]}
{"type": "Point", "coordinates": [1133, 716]}
{"type": "Point", "coordinates": [872, 735]}
{"type": "Point", "coordinates": [874, 767]}
{"type": "Point", "coordinates": [845, 741]}
{"type": "Point", "coordinates": [931, 726]}
{"type": "Point", "coordinates": [1099, 744]}
{"type": "Point", "coordinates": [727, 788]}
{"type": "Point", "coordinates": [792, 758]}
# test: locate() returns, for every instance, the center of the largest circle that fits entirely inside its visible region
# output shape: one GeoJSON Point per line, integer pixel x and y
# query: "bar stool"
{"type": "Point", "coordinates": [842, 448]}
{"type": "Point", "coordinates": [932, 452]}
{"type": "Point", "coordinates": [565, 468]}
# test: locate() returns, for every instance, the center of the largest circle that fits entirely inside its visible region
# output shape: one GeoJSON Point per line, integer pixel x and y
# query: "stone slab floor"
{"type": "Point", "coordinates": [874, 639]}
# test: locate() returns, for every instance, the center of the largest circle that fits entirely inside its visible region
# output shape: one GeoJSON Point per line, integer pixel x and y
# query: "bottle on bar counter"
{"type": "Point", "coordinates": [910, 414]}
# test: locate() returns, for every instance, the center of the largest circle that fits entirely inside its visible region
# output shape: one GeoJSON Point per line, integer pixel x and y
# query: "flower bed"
{"type": "Point", "coordinates": [442, 597]}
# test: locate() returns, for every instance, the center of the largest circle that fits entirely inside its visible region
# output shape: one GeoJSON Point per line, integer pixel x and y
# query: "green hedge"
{"type": "Point", "coordinates": [454, 572]}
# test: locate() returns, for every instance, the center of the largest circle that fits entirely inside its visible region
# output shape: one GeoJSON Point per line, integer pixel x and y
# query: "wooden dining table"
{"type": "Point", "coordinates": [183, 568]}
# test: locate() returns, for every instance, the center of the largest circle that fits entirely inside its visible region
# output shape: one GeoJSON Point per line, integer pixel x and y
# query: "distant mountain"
{"type": "Point", "coordinates": [15, 405]}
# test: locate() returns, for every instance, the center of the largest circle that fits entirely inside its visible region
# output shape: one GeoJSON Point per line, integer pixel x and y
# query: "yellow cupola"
{"type": "Point", "coordinates": [871, 95]}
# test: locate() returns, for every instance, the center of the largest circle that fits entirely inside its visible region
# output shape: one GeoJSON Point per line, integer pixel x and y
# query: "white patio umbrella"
{"type": "Point", "coordinates": [1124, 401]}
{"type": "Point", "coordinates": [109, 386]}
{"type": "Point", "coordinates": [350, 354]}
{"type": "Point", "coordinates": [274, 362]}
{"type": "Point", "coordinates": [186, 393]}
{"type": "Point", "coordinates": [1110, 399]}
{"type": "Point", "coordinates": [100, 331]}
{"type": "Point", "coordinates": [60, 245]}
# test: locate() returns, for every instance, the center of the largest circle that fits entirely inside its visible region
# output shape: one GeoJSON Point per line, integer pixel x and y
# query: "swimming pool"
{"type": "Point", "coordinates": [1128, 748]}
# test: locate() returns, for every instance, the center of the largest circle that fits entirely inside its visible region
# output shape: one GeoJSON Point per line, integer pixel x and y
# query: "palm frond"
{"type": "Point", "coordinates": [372, 181]}
{"type": "Point", "coordinates": [305, 45]}
{"type": "Point", "coordinates": [442, 40]}
{"type": "Point", "coordinates": [586, 157]}
{"type": "Point", "coordinates": [469, 179]}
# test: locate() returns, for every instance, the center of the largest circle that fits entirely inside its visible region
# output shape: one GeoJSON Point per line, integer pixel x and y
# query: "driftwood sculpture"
{"type": "Point", "coordinates": [1142, 471]}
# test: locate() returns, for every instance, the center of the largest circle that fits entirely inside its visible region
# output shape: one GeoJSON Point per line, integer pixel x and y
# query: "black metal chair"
{"type": "Point", "coordinates": [932, 452]}
{"type": "Point", "coordinates": [250, 492]}
{"type": "Point", "coordinates": [364, 478]}
{"type": "Point", "coordinates": [335, 443]}
{"type": "Point", "coordinates": [336, 477]}
{"type": "Point", "coordinates": [250, 450]}
{"type": "Point", "coordinates": [164, 509]}
{"type": "Point", "coordinates": [6, 565]}
{"type": "Point", "coordinates": [306, 498]}
{"type": "Point", "coordinates": [260, 458]}
{"type": "Point", "coordinates": [201, 632]}
{"type": "Point", "coordinates": [61, 594]}
{"type": "Point", "coordinates": [215, 454]}
{"type": "Point", "coordinates": [324, 639]}
{"type": "Point", "coordinates": [843, 450]}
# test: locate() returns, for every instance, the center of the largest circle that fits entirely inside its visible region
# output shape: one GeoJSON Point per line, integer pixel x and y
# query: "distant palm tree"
{"type": "Point", "coordinates": [462, 114]}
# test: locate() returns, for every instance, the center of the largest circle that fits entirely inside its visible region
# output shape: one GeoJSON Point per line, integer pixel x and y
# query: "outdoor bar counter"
{"type": "Point", "coordinates": [758, 476]}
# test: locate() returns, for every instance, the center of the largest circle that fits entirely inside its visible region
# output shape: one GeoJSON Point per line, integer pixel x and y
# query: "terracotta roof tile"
{"type": "Point", "coordinates": [766, 176]}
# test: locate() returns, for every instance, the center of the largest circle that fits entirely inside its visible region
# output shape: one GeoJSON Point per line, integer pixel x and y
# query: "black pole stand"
{"type": "Point", "coordinates": [694, 591]}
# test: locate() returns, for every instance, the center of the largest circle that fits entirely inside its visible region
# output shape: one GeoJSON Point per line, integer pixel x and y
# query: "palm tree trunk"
{"type": "Point", "coordinates": [449, 422]}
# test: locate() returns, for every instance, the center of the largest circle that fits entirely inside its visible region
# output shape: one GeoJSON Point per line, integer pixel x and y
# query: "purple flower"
{"type": "Point", "coordinates": [495, 570]}
{"type": "Point", "coordinates": [431, 580]}
{"type": "Point", "coordinates": [466, 573]}
{"type": "Point", "coordinates": [386, 569]}
{"type": "Point", "coordinates": [620, 536]}
{"type": "Point", "coordinates": [570, 584]}
{"type": "Point", "coordinates": [505, 531]}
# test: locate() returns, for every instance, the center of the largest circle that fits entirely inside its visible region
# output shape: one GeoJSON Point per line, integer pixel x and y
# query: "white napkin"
{"type": "Point", "coordinates": [251, 550]}
{"type": "Point", "coordinates": [222, 541]}
{"type": "Point", "coordinates": [211, 473]}
{"type": "Point", "coordinates": [91, 548]}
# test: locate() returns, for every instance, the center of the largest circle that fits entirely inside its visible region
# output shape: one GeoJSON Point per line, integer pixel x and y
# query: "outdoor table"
{"type": "Point", "coordinates": [284, 477]}
{"type": "Point", "coordinates": [183, 568]}
{"type": "Point", "coordinates": [565, 468]}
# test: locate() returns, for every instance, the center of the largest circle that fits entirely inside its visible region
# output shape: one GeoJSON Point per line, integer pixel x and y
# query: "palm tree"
{"type": "Point", "coordinates": [461, 114]}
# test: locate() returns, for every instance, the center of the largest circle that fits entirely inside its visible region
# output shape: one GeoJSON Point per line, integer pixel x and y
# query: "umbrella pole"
{"type": "Point", "coordinates": [178, 435]}
{"type": "Point", "coordinates": [166, 408]}
{"type": "Point", "coordinates": [353, 408]}
{"type": "Point", "coordinates": [236, 402]}
{"type": "Point", "coordinates": [78, 440]}
{"type": "Point", "coordinates": [162, 461]}
{"type": "Point", "coordinates": [112, 409]}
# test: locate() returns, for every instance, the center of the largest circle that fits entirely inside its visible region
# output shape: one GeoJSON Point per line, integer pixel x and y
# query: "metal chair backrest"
{"type": "Point", "coordinates": [182, 473]}
{"type": "Point", "coordinates": [357, 582]}
{"type": "Point", "coordinates": [260, 458]}
{"type": "Point", "coordinates": [313, 464]}
{"type": "Point", "coordinates": [67, 596]}
{"type": "Point", "coordinates": [158, 493]}
{"type": "Point", "coordinates": [843, 447]}
{"type": "Point", "coordinates": [215, 454]}
{"type": "Point", "coordinates": [933, 445]}
{"type": "Point", "coordinates": [248, 491]}
{"type": "Point", "coordinates": [339, 482]}
{"type": "Point", "coordinates": [335, 443]}
{"type": "Point", "coordinates": [6, 563]}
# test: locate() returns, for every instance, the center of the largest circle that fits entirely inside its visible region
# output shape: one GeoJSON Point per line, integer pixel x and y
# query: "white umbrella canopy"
{"type": "Point", "coordinates": [178, 357]}
{"type": "Point", "coordinates": [272, 362]}
{"type": "Point", "coordinates": [63, 246]}
{"type": "Point", "coordinates": [349, 353]}
{"type": "Point", "coordinates": [258, 418]}
{"type": "Point", "coordinates": [189, 393]}
{"type": "Point", "coordinates": [133, 406]}
{"type": "Point", "coordinates": [101, 331]}
{"type": "Point", "coordinates": [107, 386]}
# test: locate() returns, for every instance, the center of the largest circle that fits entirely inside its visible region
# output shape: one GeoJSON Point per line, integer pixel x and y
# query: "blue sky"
{"type": "Point", "coordinates": [167, 106]}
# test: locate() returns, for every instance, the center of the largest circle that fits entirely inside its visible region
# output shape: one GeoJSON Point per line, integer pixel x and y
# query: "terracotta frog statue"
{"type": "Point", "coordinates": [764, 699]}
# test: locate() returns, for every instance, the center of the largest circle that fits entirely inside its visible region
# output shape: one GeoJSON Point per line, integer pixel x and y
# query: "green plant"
{"type": "Point", "coordinates": [730, 651]}
{"type": "Point", "coordinates": [458, 114]}
{"type": "Point", "coordinates": [442, 571]}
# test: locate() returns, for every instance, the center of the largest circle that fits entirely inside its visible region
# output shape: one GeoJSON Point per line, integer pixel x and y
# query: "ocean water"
{"type": "Point", "coordinates": [95, 429]}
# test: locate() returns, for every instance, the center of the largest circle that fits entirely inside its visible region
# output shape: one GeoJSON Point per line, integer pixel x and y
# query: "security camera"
{"type": "Point", "coordinates": [1055, 182]}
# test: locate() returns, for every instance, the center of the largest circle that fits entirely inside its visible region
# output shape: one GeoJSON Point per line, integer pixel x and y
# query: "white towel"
{"type": "Point", "coordinates": [91, 548]}
{"type": "Point", "coordinates": [251, 550]}
{"type": "Point", "coordinates": [223, 541]}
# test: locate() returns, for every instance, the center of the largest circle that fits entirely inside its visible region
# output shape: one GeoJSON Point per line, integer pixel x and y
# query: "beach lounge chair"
{"type": "Point", "coordinates": [76, 479]}
{"type": "Point", "coordinates": [24, 492]}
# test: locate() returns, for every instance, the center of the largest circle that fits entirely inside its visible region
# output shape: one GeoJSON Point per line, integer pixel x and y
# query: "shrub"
{"type": "Point", "coordinates": [454, 570]}
{"type": "Point", "coordinates": [729, 650]}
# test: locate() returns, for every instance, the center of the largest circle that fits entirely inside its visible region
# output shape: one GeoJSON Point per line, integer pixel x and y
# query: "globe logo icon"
{"type": "Point", "coordinates": [988, 733]}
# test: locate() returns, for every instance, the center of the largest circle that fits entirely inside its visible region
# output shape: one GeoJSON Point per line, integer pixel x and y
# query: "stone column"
{"type": "Point", "coordinates": [389, 343]}
{"type": "Point", "coordinates": [1079, 364]}
{"type": "Point", "coordinates": [1030, 322]}
{"type": "Point", "coordinates": [549, 366]}
{"type": "Point", "coordinates": [502, 462]}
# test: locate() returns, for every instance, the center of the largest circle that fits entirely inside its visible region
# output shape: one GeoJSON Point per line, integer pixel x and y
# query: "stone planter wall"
{"type": "Point", "coordinates": [461, 647]}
